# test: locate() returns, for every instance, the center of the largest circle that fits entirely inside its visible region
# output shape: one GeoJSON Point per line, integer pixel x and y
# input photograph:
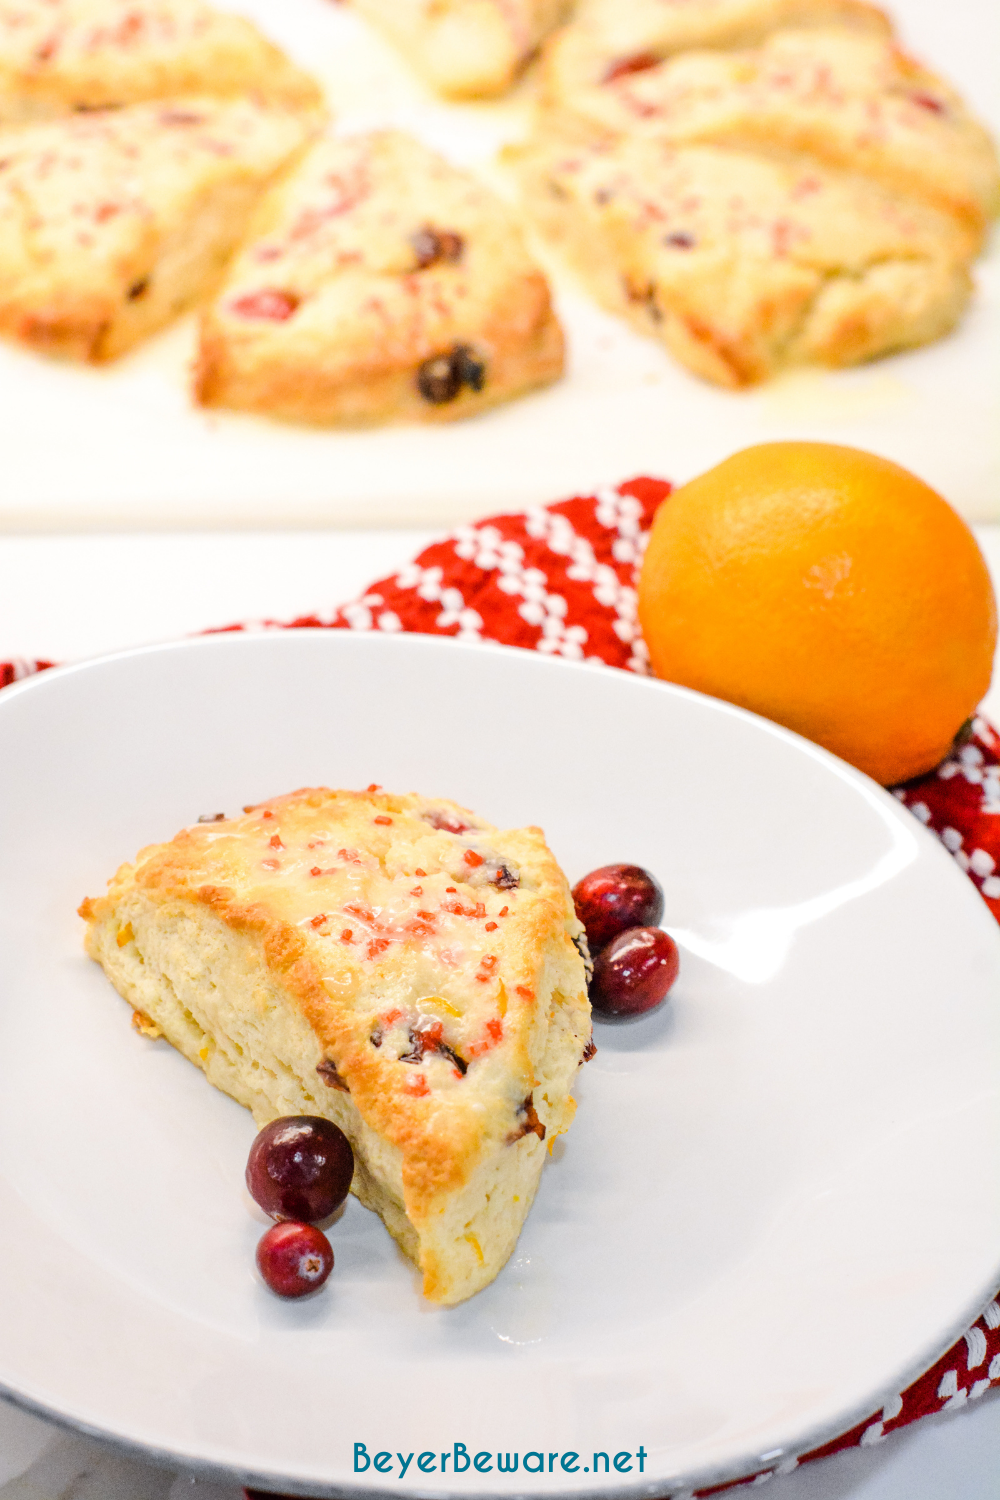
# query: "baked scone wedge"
{"type": "Point", "coordinates": [392, 963]}
{"type": "Point", "coordinates": [57, 56]}
{"type": "Point", "coordinates": [112, 223]}
{"type": "Point", "coordinates": [742, 265]}
{"type": "Point", "coordinates": [849, 99]}
{"type": "Point", "coordinates": [466, 48]}
{"type": "Point", "coordinates": [379, 282]}
{"type": "Point", "coordinates": [608, 38]}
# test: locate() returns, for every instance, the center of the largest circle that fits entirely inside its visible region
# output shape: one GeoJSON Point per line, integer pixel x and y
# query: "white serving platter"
{"type": "Point", "coordinates": [772, 1211]}
{"type": "Point", "coordinates": [122, 447]}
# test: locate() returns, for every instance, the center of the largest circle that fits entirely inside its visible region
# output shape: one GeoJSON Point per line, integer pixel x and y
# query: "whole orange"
{"type": "Point", "coordinates": [829, 590]}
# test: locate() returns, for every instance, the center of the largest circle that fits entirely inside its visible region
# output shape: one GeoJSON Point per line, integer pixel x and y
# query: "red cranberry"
{"type": "Point", "coordinates": [633, 974]}
{"type": "Point", "coordinates": [294, 1259]}
{"type": "Point", "coordinates": [613, 899]}
{"type": "Point", "coordinates": [300, 1167]}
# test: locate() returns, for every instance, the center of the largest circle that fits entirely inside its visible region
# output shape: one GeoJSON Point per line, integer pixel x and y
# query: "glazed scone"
{"type": "Point", "coordinates": [112, 223]}
{"type": "Point", "coordinates": [392, 963]}
{"type": "Point", "coordinates": [741, 265]}
{"type": "Point", "coordinates": [379, 282]}
{"type": "Point", "coordinates": [57, 56]}
{"type": "Point", "coordinates": [465, 48]}
{"type": "Point", "coordinates": [609, 37]}
{"type": "Point", "coordinates": [845, 98]}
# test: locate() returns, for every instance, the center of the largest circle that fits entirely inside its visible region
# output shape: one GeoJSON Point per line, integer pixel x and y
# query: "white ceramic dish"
{"type": "Point", "coordinates": [122, 447]}
{"type": "Point", "coordinates": [769, 1215]}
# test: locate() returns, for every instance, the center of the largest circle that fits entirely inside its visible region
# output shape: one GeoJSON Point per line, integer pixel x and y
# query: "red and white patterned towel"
{"type": "Point", "coordinates": [561, 580]}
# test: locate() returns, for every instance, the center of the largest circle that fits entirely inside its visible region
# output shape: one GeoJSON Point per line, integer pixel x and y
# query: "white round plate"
{"type": "Point", "coordinates": [774, 1208]}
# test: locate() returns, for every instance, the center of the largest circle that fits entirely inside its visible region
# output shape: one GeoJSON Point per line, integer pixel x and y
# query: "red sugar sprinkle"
{"type": "Point", "coordinates": [383, 820]}
{"type": "Point", "coordinates": [473, 859]}
{"type": "Point", "coordinates": [318, 920]}
{"type": "Point", "coordinates": [418, 871]}
{"type": "Point", "coordinates": [491, 927]}
{"type": "Point", "coordinates": [315, 870]}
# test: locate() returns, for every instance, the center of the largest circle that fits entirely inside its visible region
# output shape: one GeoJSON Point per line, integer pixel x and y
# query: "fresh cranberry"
{"type": "Point", "coordinates": [300, 1167]}
{"type": "Point", "coordinates": [294, 1259]}
{"type": "Point", "coordinates": [613, 899]}
{"type": "Point", "coordinates": [634, 973]}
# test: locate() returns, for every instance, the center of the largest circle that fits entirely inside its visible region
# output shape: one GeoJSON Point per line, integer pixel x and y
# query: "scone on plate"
{"type": "Point", "coordinates": [57, 56]}
{"type": "Point", "coordinates": [113, 222]}
{"type": "Point", "coordinates": [392, 963]}
{"type": "Point", "coordinates": [606, 38]}
{"type": "Point", "coordinates": [379, 282]}
{"type": "Point", "coordinates": [848, 99]}
{"type": "Point", "coordinates": [742, 265]}
{"type": "Point", "coordinates": [465, 48]}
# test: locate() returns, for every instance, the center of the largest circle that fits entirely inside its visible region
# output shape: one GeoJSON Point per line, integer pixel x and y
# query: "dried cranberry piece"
{"type": "Point", "coordinates": [440, 378]}
{"type": "Point", "coordinates": [639, 62]}
{"type": "Point", "coordinates": [447, 822]}
{"type": "Point", "coordinates": [432, 245]}
{"type": "Point", "coordinates": [680, 240]}
{"type": "Point", "coordinates": [269, 303]}
{"type": "Point", "coordinates": [471, 369]}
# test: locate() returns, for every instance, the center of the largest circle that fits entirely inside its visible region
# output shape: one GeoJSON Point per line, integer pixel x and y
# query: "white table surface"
{"type": "Point", "coordinates": [68, 597]}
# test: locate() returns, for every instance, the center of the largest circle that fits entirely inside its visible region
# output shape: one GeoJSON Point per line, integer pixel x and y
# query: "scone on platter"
{"type": "Point", "coordinates": [379, 282]}
{"type": "Point", "coordinates": [465, 48]}
{"type": "Point", "coordinates": [391, 963]}
{"type": "Point", "coordinates": [606, 38]}
{"type": "Point", "coordinates": [113, 222]}
{"type": "Point", "coordinates": [57, 56]}
{"type": "Point", "coordinates": [846, 98]}
{"type": "Point", "coordinates": [742, 264]}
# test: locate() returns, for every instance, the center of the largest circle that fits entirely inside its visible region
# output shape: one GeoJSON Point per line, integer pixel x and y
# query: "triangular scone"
{"type": "Point", "coordinates": [379, 281]}
{"type": "Point", "coordinates": [743, 264]}
{"type": "Point", "coordinates": [609, 37]}
{"type": "Point", "coordinates": [57, 56]}
{"type": "Point", "coordinates": [849, 99]}
{"type": "Point", "coordinates": [112, 223]}
{"type": "Point", "coordinates": [466, 48]}
{"type": "Point", "coordinates": [392, 963]}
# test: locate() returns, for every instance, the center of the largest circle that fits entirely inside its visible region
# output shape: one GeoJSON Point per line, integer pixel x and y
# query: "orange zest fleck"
{"type": "Point", "coordinates": [125, 935]}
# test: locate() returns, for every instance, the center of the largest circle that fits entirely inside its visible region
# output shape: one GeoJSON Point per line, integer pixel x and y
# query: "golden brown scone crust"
{"type": "Point", "coordinates": [379, 282]}
{"type": "Point", "coordinates": [741, 264]}
{"type": "Point", "coordinates": [607, 36]}
{"type": "Point", "coordinates": [848, 99]}
{"type": "Point", "coordinates": [393, 963]}
{"type": "Point", "coordinates": [57, 56]}
{"type": "Point", "coordinates": [466, 48]}
{"type": "Point", "coordinates": [112, 223]}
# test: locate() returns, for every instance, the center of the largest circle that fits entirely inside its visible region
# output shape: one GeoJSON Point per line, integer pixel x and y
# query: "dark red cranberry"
{"type": "Point", "coordinates": [294, 1259]}
{"type": "Point", "coordinates": [300, 1167]}
{"type": "Point", "coordinates": [613, 899]}
{"type": "Point", "coordinates": [634, 973]}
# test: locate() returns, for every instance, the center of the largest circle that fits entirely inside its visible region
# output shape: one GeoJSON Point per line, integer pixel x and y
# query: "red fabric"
{"type": "Point", "coordinates": [561, 579]}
